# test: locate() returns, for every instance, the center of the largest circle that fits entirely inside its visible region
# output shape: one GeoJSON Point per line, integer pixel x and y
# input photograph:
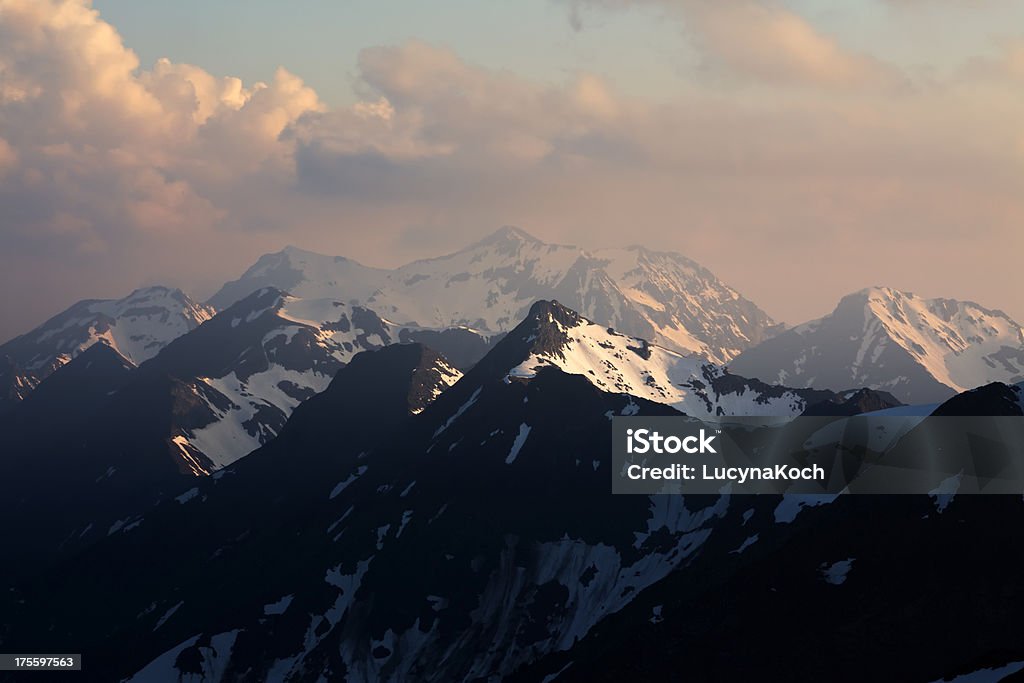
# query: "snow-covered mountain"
{"type": "Point", "coordinates": [920, 350]}
{"type": "Point", "coordinates": [489, 286]}
{"type": "Point", "coordinates": [253, 363]}
{"type": "Point", "coordinates": [137, 327]}
{"type": "Point", "coordinates": [555, 336]}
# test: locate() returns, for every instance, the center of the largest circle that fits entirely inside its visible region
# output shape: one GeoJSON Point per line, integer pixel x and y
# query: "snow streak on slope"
{"type": "Point", "coordinates": [621, 364]}
{"type": "Point", "coordinates": [489, 286]}
{"type": "Point", "coordinates": [443, 377]}
{"type": "Point", "coordinates": [260, 404]}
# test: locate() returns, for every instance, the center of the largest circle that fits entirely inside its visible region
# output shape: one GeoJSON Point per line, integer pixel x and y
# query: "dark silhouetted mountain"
{"type": "Point", "coordinates": [853, 402]}
{"type": "Point", "coordinates": [895, 588]}
{"type": "Point", "coordinates": [210, 397]}
{"type": "Point", "coordinates": [462, 346]}
{"type": "Point", "coordinates": [15, 384]}
{"type": "Point", "coordinates": [419, 525]}
{"type": "Point", "coordinates": [992, 399]}
{"type": "Point", "coordinates": [457, 541]}
{"type": "Point", "coordinates": [67, 398]}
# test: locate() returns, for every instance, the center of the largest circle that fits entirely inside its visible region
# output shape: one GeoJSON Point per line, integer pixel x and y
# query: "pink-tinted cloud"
{"type": "Point", "coordinates": [761, 40]}
{"type": "Point", "coordinates": [113, 175]}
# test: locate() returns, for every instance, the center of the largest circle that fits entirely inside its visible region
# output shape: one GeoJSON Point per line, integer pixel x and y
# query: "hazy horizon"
{"type": "Point", "coordinates": [799, 150]}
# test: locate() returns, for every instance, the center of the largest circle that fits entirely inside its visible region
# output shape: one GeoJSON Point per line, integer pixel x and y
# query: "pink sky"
{"type": "Point", "coordinates": [794, 166]}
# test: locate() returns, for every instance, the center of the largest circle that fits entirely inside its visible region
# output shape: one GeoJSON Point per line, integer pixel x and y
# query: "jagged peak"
{"type": "Point", "coordinates": [154, 289]}
{"type": "Point", "coordinates": [511, 236]}
{"type": "Point", "coordinates": [292, 250]}
{"type": "Point", "coordinates": [886, 295]}
{"type": "Point", "coordinates": [657, 253]}
{"type": "Point", "coordinates": [510, 232]}
{"type": "Point", "coordinates": [554, 311]}
{"type": "Point", "coordinates": [878, 292]}
{"type": "Point", "coordinates": [101, 350]}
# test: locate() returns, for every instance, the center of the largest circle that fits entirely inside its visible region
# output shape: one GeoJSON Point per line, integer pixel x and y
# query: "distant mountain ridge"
{"type": "Point", "coordinates": [137, 326]}
{"type": "Point", "coordinates": [490, 286]}
{"type": "Point", "coordinates": [920, 350]}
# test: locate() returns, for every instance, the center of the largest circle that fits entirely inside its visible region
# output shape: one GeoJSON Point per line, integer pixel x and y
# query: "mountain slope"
{"type": "Point", "coordinates": [889, 588]}
{"type": "Point", "coordinates": [97, 469]}
{"type": "Point", "coordinates": [207, 399]}
{"type": "Point", "coordinates": [68, 396]}
{"type": "Point", "coordinates": [920, 350]}
{"type": "Point", "coordinates": [15, 384]}
{"type": "Point", "coordinates": [253, 363]}
{"type": "Point", "coordinates": [555, 336]}
{"type": "Point", "coordinates": [403, 562]}
{"type": "Point", "coordinates": [137, 327]}
{"type": "Point", "coordinates": [490, 286]}
{"type": "Point", "coordinates": [478, 538]}
{"type": "Point", "coordinates": [992, 399]}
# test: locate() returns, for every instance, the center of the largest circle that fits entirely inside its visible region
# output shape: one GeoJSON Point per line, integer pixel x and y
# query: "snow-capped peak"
{"type": "Point", "coordinates": [920, 349]}
{"type": "Point", "coordinates": [491, 284]}
{"type": "Point", "coordinates": [555, 336]}
{"type": "Point", "coordinates": [508, 234]}
{"type": "Point", "coordinates": [137, 326]}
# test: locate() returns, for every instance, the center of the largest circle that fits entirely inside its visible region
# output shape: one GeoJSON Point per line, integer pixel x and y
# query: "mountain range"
{"type": "Point", "coordinates": [489, 286]}
{"type": "Point", "coordinates": [117, 438]}
{"type": "Point", "coordinates": [226, 382]}
{"type": "Point", "coordinates": [400, 527]}
{"type": "Point", "coordinates": [918, 350]}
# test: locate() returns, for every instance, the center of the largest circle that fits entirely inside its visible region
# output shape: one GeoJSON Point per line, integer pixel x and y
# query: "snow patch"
{"type": "Point", "coordinates": [836, 573]}
{"type": "Point", "coordinates": [278, 607]}
{"type": "Point", "coordinates": [517, 445]}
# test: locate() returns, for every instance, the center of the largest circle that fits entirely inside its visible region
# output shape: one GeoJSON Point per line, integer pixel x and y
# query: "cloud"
{"type": "Point", "coordinates": [769, 42]}
{"type": "Point", "coordinates": [1006, 65]}
{"type": "Point", "coordinates": [103, 160]}
{"type": "Point", "coordinates": [115, 175]}
{"type": "Point", "coordinates": [866, 187]}
{"type": "Point", "coordinates": [761, 40]}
